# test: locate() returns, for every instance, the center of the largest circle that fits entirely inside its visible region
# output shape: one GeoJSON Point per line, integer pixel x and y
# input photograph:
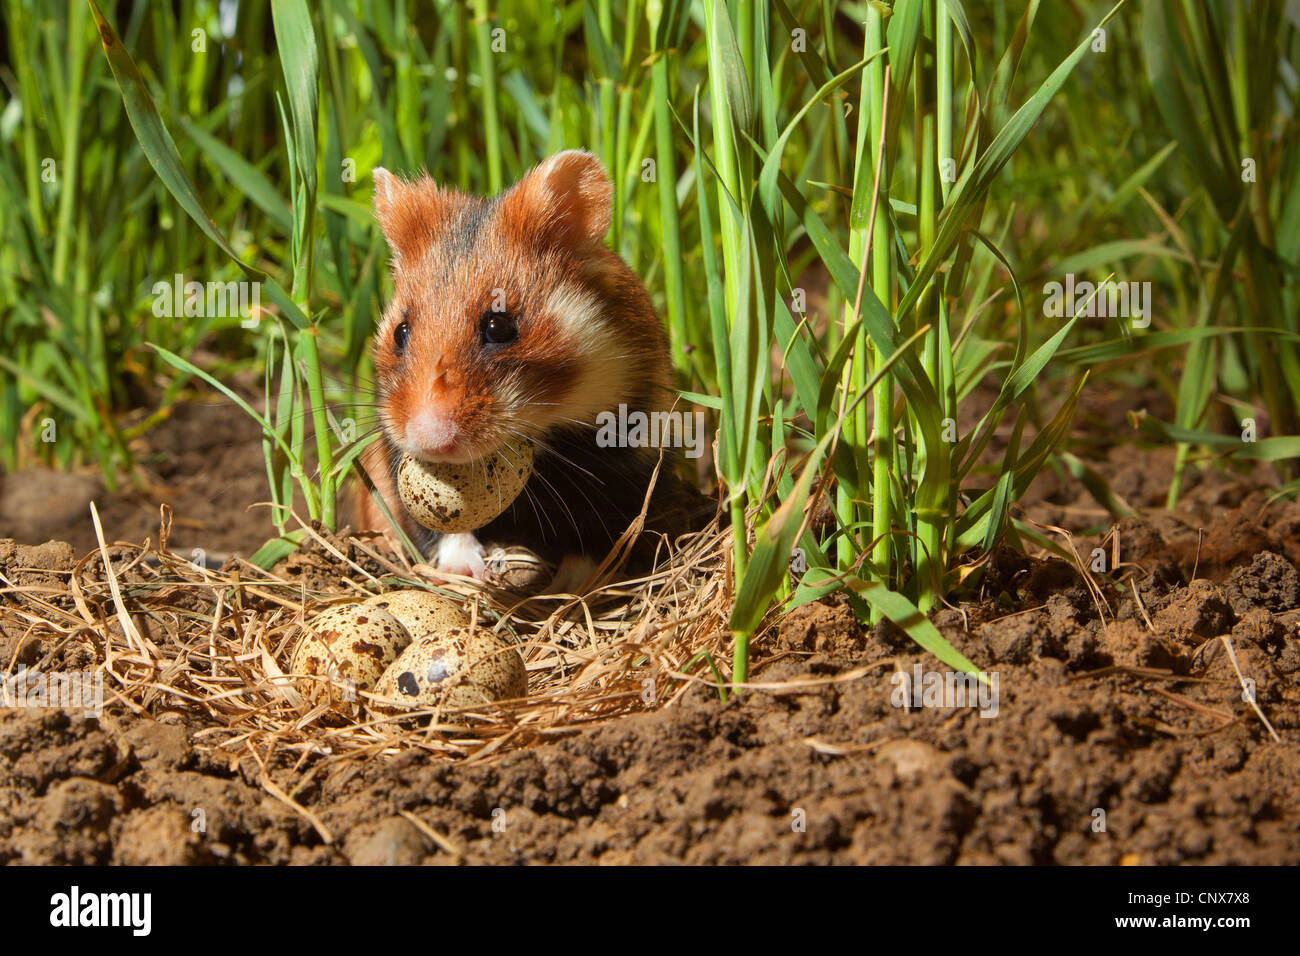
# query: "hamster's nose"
{"type": "Point", "coordinates": [432, 433]}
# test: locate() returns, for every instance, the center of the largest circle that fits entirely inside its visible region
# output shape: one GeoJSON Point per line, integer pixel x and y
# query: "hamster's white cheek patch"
{"type": "Point", "coordinates": [602, 383]}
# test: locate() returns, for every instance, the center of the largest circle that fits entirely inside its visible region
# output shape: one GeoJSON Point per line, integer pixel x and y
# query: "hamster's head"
{"type": "Point", "coordinates": [509, 315]}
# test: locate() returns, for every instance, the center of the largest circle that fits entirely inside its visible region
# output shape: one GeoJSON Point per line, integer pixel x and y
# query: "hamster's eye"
{"type": "Point", "coordinates": [401, 335]}
{"type": "Point", "coordinates": [498, 328]}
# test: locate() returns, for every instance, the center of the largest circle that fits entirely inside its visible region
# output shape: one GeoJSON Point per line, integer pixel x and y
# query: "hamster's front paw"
{"type": "Point", "coordinates": [461, 554]}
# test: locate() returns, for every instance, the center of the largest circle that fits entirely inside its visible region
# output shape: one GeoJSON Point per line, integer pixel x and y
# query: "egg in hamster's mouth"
{"type": "Point", "coordinates": [459, 498]}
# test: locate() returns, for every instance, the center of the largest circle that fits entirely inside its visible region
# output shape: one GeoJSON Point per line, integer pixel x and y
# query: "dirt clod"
{"type": "Point", "coordinates": [1270, 581]}
{"type": "Point", "coordinates": [1198, 612]}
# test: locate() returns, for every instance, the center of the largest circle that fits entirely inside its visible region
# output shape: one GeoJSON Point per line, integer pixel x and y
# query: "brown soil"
{"type": "Point", "coordinates": [1122, 732]}
{"type": "Point", "coordinates": [204, 461]}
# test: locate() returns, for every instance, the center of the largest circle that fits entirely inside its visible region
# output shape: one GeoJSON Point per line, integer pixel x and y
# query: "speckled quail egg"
{"type": "Point", "coordinates": [517, 569]}
{"type": "Point", "coordinates": [455, 498]}
{"type": "Point", "coordinates": [422, 613]}
{"type": "Point", "coordinates": [456, 668]}
{"type": "Point", "coordinates": [345, 650]}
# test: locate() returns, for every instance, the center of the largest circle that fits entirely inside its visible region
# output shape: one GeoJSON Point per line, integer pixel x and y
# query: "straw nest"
{"type": "Point", "coordinates": [211, 648]}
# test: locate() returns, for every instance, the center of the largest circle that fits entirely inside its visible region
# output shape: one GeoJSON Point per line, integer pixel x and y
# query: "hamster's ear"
{"type": "Point", "coordinates": [387, 201]}
{"type": "Point", "coordinates": [386, 185]}
{"type": "Point", "coordinates": [383, 187]}
{"type": "Point", "coordinates": [407, 212]}
{"type": "Point", "coordinates": [566, 199]}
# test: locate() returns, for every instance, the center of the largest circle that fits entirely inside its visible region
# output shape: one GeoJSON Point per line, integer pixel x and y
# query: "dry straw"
{"type": "Point", "coordinates": [210, 649]}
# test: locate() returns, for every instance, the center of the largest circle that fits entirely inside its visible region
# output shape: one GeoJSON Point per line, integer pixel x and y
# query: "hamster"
{"type": "Point", "coordinates": [510, 317]}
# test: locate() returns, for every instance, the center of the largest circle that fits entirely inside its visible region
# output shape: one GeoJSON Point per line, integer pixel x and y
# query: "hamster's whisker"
{"type": "Point", "coordinates": [535, 505]}
{"type": "Point", "coordinates": [564, 503]}
{"type": "Point", "coordinates": [619, 467]}
{"type": "Point", "coordinates": [555, 493]}
{"type": "Point", "coordinates": [542, 479]}
{"type": "Point", "coordinates": [550, 450]}
{"type": "Point", "coordinates": [533, 502]}
{"type": "Point", "coordinates": [572, 421]}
